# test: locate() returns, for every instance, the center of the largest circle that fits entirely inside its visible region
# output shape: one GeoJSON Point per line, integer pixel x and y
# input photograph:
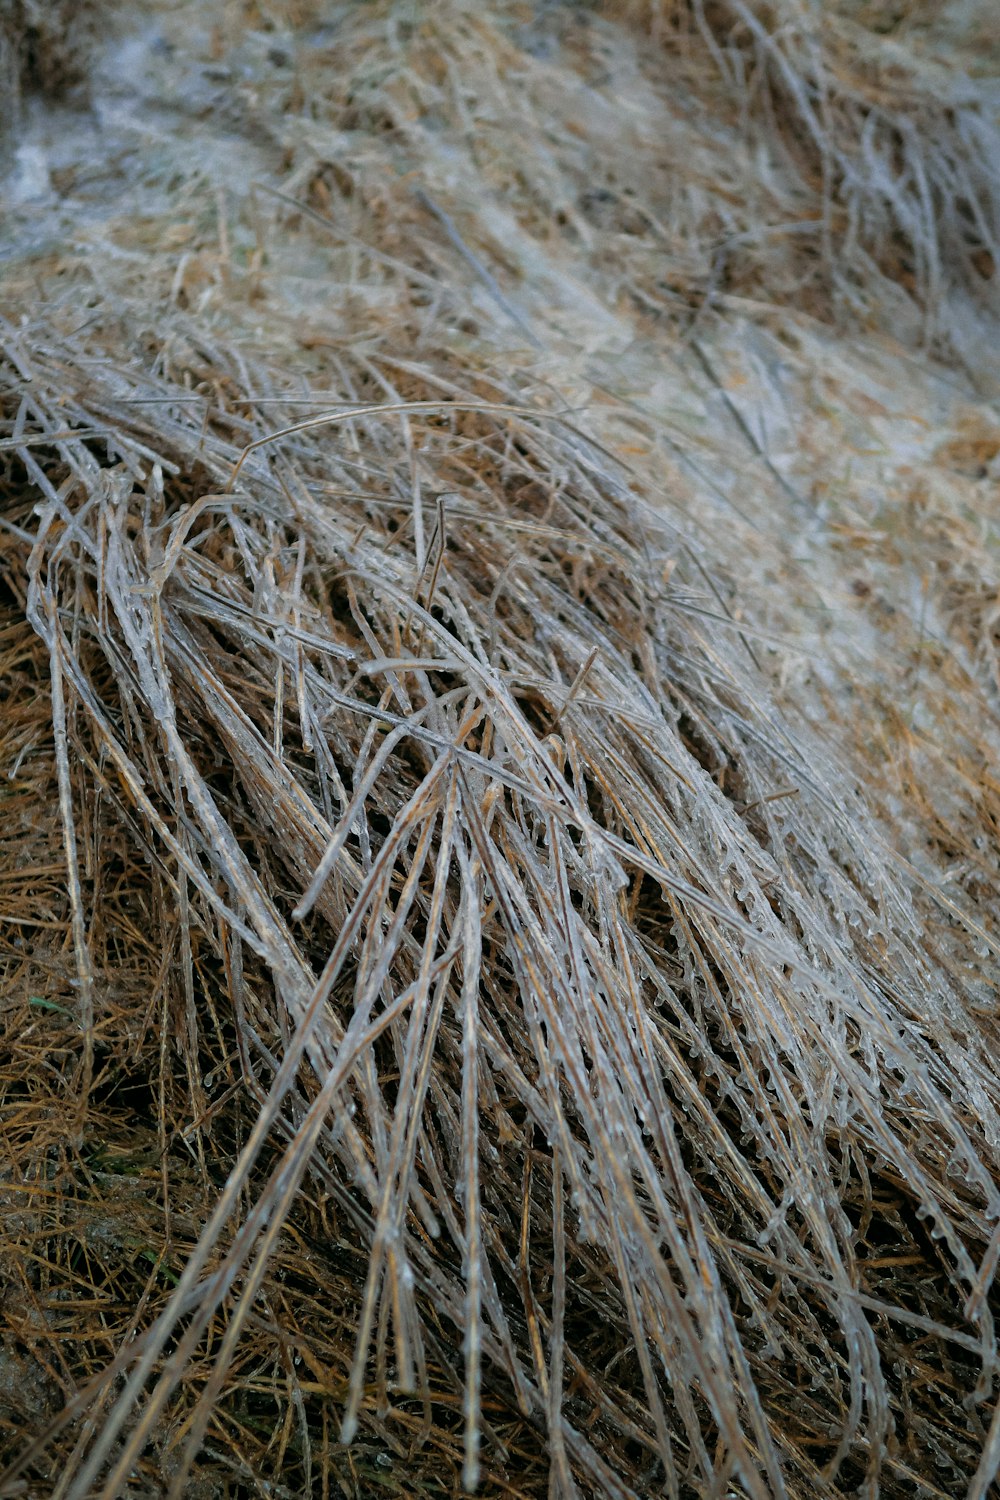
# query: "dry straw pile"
{"type": "Point", "coordinates": [499, 620]}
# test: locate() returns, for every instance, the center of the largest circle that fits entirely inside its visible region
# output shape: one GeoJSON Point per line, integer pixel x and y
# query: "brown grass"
{"type": "Point", "coordinates": [499, 872]}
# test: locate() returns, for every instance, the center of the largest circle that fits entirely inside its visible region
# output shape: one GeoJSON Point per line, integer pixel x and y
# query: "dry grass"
{"type": "Point", "coordinates": [499, 874]}
{"type": "Point", "coordinates": [874, 163]}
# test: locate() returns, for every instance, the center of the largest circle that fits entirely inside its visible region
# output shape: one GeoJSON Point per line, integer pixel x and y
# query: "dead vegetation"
{"type": "Point", "coordinates": [499, 860]}
{"type": "Point", "coordinates": [877, 155]}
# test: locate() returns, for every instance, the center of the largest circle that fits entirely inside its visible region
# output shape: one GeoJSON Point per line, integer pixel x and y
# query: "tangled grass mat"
{"type": "Point", "coordinates": [498, 855]}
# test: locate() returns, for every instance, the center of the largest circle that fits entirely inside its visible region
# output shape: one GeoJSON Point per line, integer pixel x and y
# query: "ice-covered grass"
{"type": "Point", "coordinates": [500, 727]}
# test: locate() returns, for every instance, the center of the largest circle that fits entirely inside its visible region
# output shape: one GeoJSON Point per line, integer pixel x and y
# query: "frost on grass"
{"type": "Point", "coordinates": [477, 847]}
{"type": "Point", "coordinates": [499, 822]}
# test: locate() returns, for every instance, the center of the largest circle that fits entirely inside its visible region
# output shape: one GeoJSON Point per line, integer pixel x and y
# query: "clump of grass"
{"type": "Point", "coordinates": [887, 158]}
{"type": "Point", "coordinates": [497, 878]}
{"type": "Point", "coordinates": [481, 929]}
